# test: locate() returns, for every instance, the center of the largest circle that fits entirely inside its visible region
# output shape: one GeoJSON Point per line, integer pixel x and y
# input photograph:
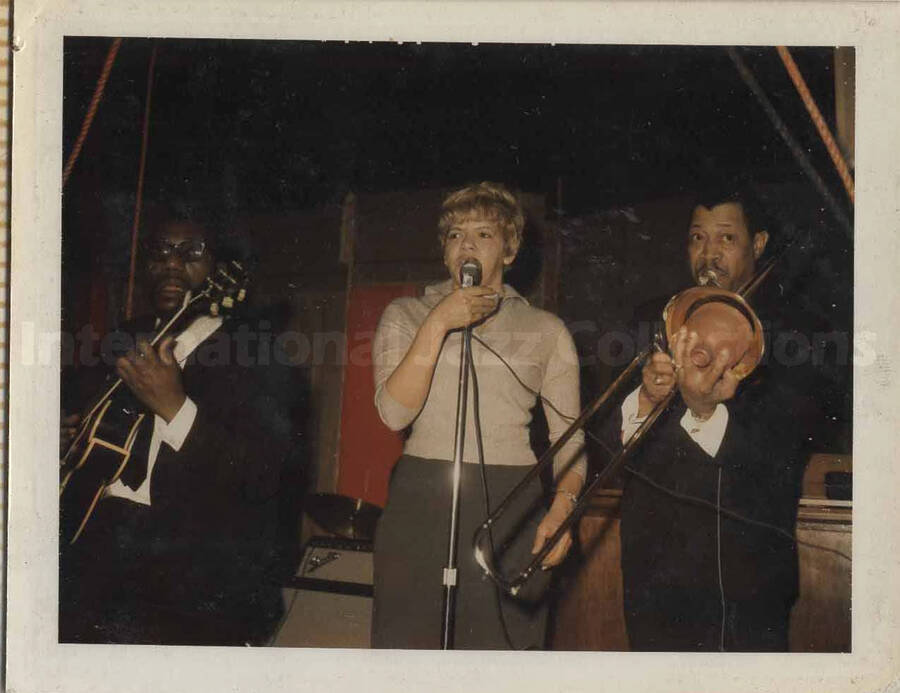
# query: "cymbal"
{"type": "Point", "coordinates": [352, 518]}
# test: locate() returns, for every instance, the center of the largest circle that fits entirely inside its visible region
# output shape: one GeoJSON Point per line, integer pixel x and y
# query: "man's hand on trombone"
{"type": "Point", "coordinates": [702, 388]}
{"type": "Point", "coordinates": [657, 381]}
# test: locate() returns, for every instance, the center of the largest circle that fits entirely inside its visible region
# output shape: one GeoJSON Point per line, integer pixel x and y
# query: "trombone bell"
{"type": "Point", "coordinates": [722, 319]}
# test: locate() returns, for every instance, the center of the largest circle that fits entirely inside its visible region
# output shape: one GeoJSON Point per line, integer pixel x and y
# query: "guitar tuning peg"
{"type": "Point", "coordinates": [214, 309]}
{"type": "Point", "coordinates": [242, 294]}
{"type": "Point", "coordinates": [228, 302]}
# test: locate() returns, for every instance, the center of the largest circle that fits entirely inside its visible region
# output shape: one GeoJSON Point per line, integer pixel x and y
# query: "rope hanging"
{"type": "Point", "coordinates": [795, 148]}
{"type": "Point", "coordinates": [145, 136]}
{"type": "Point", "coordinates": [814, 113]}
{"type": "Point", "coordinates": [92, 109]}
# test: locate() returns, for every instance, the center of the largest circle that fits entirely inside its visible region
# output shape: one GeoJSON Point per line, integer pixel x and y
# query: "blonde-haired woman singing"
{"type": "Point", "coordinates": [518, 352]}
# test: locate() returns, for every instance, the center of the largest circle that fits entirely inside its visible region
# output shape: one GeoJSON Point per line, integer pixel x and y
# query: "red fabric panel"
{"type": "Point", "coordinates": [368, 448]}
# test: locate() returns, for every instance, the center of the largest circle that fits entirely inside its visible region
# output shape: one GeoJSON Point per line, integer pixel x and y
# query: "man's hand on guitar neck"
{"type": "Point", "coordinates": [154, 377]}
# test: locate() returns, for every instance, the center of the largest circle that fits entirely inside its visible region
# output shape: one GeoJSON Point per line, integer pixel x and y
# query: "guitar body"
{"type": "Point", "coordinates": [102, 448]}
{"type": "Point", "coordinates": [97, 457]}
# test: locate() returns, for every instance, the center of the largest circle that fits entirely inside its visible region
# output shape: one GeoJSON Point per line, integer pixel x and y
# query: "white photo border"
{"type": "Point", "coordinates": [36, 662]}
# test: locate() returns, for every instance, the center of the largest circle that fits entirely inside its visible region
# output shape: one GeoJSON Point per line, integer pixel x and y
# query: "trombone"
{"type": "Point", "coordinates": [678, 309]}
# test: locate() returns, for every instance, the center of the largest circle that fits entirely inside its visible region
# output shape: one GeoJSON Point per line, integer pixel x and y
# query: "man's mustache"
{"type": "Point", "coordinates": [706, 266]}
{"type": "Point", "coordinates": [180, 280]}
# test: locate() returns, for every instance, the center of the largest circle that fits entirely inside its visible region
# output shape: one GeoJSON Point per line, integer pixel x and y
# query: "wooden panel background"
{"type": "Point", "coordinates": [590, 613]}
{"type": "Point", "coordinates": [367, 448]}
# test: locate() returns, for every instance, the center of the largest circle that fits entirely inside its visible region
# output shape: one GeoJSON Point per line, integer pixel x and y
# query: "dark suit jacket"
{"type": "Point", "coordinates": [670, 542]}
{"type": "Point", "coordinates": [669, 538]}
{"type": "Point", "coordinates": [208, 550]}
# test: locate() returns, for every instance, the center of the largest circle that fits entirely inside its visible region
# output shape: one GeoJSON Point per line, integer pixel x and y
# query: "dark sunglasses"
{"type": "Point", "coordinates": [188, 251]}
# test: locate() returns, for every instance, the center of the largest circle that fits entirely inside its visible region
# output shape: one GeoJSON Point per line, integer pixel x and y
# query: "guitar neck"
{"type": "Point", "coordinates": [176, 319]}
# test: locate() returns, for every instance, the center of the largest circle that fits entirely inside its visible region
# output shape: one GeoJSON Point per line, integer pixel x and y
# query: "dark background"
{"type": "Point", "coordinates": [605, 134]}
{"type": "Point", "coordinates": [265, 125]}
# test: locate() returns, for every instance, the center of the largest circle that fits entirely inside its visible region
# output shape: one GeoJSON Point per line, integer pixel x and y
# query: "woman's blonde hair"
{"type": "Point", "coordinates": [486, 200]}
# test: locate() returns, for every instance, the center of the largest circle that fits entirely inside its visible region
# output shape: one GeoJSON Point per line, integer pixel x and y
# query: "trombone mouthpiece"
{"type": "Point", "coordinates": [707, 277]}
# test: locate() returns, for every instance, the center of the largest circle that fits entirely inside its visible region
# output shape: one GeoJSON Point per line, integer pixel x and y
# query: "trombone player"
{"type": "Point", "coordinates": [710, 500]}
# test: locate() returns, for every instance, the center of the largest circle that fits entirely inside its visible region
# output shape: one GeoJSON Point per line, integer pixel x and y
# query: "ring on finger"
{"type": "Point", "coordinates": [657, 380]}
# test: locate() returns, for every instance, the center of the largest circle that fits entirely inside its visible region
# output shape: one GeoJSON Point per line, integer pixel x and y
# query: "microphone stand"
{"type": "Point", "coordinates": [462, 399]}
{"type": "Point", "coordinates": [450, 572]}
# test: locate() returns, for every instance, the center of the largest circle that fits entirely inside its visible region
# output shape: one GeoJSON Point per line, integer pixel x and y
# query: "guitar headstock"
{"type": "Point", "coordinates": [226, 287]}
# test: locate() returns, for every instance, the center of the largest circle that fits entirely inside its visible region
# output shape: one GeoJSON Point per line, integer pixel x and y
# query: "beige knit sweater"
{"type": "Point", "coordinates": [535, 343]}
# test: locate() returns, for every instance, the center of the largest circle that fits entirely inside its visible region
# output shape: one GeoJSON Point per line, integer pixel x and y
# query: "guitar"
{"type": "Point", "coordinates": [102, 446]}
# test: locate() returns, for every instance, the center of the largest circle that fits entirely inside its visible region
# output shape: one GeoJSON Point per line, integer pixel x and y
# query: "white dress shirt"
{"type": "Point", "coordinates": [175, 432]}
{"type": "Point", "coordinates": [707, 433]}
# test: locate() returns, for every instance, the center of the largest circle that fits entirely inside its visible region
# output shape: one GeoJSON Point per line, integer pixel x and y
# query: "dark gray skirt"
{"type": "Point", "coordinates": [411, 553]}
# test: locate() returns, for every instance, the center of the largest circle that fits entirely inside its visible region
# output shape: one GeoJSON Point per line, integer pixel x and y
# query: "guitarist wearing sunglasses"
{"type": "Point", "coordinates": [180, 546]}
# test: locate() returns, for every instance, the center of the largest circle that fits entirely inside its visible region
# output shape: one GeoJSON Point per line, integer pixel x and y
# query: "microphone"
{"type": "Point", "coordinates": [470, 273]}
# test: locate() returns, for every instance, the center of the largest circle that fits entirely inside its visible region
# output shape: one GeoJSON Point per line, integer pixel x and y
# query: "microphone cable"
{"type": "Point", "coordinates": [660, 487]}
{"type": "Point", "coordinates": [476, 415]}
